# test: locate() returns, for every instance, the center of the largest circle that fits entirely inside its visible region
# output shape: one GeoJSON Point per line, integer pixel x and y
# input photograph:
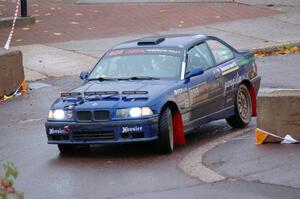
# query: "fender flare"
{"type": "Point", "coordinates": [178, 130]}
{"type": "Point", "coordinates": [252, 95]}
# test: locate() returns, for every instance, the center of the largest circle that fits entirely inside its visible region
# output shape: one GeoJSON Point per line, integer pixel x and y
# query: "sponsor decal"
{"type": "Point", "coordinates": [181, 97]}
{"type": "Point", "coordinates": [163, 51]}
{"type": "Point", "coordinates": [216, 85]}
{"type": "Point", "coordinates": [180, 91]}
{"type": "Point", "coordinates": [194, 92]}
{"type": "Point", "coordinates": [134, 51]}
{"type": "Point", "coordinates": [199, 94]}
{"type": "Point", "coordinates": [141, 51]}
{"type": "Point", "coordinates": [116, 52]}
{"type": "Point", "coordinates": [228, 68]}
{"type": "Point", "coordinates": [198, 90]}
{"type": "Point", "coordinates": [232, 82]}
{"type": "Point", "coordinates": [186, 103]}
{"type": "Point", "coordinates": [132, 129]}
{"type": "Point", "coordinates": [59, 131]}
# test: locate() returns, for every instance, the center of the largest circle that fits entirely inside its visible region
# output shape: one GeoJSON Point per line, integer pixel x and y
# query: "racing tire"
{"type": "Point", "coordinates": [165, 142]}
{"type": "Point", "coordinates": [242, 108]}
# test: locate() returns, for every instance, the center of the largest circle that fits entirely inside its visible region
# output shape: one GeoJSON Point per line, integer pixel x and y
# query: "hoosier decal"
{"type": "Point", "coordinates": [132, 129]}
{"type": "Point", "coordinates": [59, 131]}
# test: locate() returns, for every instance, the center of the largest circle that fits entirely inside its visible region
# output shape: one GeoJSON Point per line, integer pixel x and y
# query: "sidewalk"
{"type": "Point", "coordinates": [60, 21]}
{"type": "Point", "coordinates": [244, 27]}
{"type": "Point", "coordinates": [252, 33]}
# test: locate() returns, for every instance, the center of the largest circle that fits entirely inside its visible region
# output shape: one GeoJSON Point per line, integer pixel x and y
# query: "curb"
{"type": "Point", "coordinates": [193, 163]}
{"type": "Point", "coordinates": [6, 22]}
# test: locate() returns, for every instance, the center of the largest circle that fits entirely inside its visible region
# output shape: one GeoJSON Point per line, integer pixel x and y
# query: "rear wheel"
{"type": "Point", "coordinates": [242, 108]}
{"type": "Point", "coordinates": [165, 142]}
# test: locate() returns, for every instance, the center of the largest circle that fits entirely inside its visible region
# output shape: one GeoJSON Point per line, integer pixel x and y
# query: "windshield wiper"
{"type": "Point", "coordinates": [123, 78]}
{"type": "Point", "coordinates": [101, 79]}
{"type": "Point", "coordinates": [143, 78]}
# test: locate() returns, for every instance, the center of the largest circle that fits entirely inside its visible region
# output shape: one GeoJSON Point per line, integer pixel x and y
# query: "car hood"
{"type": "Point", "coordinates": [116, 94]}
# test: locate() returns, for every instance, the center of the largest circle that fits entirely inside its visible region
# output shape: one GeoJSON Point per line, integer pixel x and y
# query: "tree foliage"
{"type": "Point", "coordinates": [7, 180]}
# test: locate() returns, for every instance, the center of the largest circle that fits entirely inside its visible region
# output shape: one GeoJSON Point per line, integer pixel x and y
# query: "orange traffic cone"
{"type": "Point", "coordinates": [262, 136]}
{"type": "Point", "coordinates": [24, 87]}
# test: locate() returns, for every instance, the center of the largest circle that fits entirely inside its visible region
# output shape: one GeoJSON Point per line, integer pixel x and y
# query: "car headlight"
{"type": "Point", "coordinates": [60, 114]}
{"type": "Point", "coordinates": [134, 112]}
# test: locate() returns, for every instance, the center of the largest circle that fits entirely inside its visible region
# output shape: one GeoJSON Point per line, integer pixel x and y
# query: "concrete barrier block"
{"type": "Point", "coordinates": [279, 112]}
{"type": "Point", "coordinates": [11, 71]}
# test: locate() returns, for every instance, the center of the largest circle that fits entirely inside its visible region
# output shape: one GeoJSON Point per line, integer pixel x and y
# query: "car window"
{"type": "Point", "coordinates": [221, 52]}
{"type": "Point", "coordinates": [157, 63]}
{"type": "Point", "coordinates": [199, 56]}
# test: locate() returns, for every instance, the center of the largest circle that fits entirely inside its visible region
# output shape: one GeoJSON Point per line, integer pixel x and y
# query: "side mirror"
{"type": "Point", "coordinates": [195, 72]}
{"type": "Point", "coordinates": [84, 75]}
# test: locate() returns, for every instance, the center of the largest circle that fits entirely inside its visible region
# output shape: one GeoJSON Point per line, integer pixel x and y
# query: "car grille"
{"type": "Point", "coordinates": [97, 135]}
{"type": "Point", "coordinates": [84, 115]}
{"type": "Point", "coordinates": [99, 115]}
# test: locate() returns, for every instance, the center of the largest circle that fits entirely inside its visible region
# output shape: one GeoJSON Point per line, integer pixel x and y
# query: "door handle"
{"type": "Point", "coordinates": [217, 73]}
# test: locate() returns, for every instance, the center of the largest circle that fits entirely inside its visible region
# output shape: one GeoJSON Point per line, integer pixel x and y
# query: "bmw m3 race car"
{"type": "Point", "coordinates": [156, 89]}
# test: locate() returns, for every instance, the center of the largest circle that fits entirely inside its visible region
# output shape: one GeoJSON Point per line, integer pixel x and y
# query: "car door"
{"type": "Point", "coordinates": [199, 86]}
{"type": "Point", "coordinates": [228, 69]}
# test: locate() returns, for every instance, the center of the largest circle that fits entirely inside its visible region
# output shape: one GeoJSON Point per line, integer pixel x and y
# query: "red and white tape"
{"type": "Point", "coordinates": [7, 44]}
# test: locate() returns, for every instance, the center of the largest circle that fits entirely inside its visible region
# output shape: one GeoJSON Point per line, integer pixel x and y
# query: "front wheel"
{"type": "Point", "coordinates": [242, 108]}
{"type": "Point", "coordinates": [165, 142]}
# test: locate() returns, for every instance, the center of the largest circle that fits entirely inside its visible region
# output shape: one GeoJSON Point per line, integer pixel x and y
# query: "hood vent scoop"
{"type": "Point", "coordinates": [150, 41]}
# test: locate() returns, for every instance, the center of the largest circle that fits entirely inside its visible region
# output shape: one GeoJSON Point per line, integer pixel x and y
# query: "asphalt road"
{"type": "Point", "coordinates": [280, 71]}
{"type": "Point", "coordinates": [241, 159]}
{"type": "Point", "coordinates": [119, 171]}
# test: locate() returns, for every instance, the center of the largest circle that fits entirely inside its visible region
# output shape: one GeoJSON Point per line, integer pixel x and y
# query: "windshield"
{"type": "Point", "coordinates": [138, 63]}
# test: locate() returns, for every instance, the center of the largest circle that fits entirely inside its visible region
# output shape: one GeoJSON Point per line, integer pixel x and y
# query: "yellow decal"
{"type": "Point", "coordinates": [230, 70]}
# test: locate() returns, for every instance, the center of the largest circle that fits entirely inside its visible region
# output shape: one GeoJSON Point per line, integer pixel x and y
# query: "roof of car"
{"type": "Point", "coordinates": [162, 41]}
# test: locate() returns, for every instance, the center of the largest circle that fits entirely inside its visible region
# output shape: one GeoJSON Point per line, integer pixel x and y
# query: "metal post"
{"type": "Point", "coordinates": [23, 8]}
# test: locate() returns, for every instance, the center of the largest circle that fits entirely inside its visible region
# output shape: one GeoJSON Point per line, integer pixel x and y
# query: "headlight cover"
{"type": "Point", "coordinates": [60, 114]}
{"type": "Point", "coordinates": [134, 112]}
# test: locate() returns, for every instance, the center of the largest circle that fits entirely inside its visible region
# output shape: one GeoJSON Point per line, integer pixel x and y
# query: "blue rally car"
{"type": "Point", "coordinates": [156, 89]}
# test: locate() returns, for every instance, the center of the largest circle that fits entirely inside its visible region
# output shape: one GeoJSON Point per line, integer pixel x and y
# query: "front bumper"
{"type": "Point", "coordinates": [137, 130]}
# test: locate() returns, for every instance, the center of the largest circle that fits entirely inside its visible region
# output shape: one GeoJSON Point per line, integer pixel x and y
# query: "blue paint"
{"type": "Point", "coordinates": [202, 98]}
